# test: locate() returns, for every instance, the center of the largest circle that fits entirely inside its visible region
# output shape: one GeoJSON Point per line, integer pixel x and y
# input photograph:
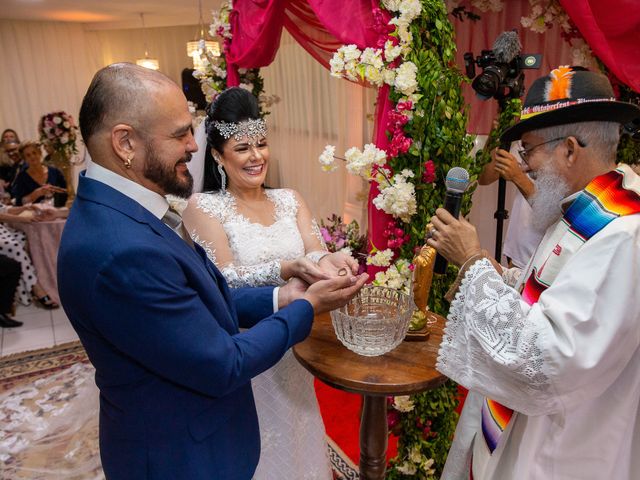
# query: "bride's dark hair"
{"type": "Point", "coordinates": [233, 105]}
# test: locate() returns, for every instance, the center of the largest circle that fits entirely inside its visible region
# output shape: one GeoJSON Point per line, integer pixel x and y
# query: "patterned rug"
{"type": "Point", "coordinates": [43, 385]}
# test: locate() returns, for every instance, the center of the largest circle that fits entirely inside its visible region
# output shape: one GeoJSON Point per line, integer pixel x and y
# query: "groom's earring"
{"type": "Point", "coordinates": [127, 161]}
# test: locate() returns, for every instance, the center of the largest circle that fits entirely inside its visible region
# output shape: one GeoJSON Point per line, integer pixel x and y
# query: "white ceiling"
{"type": "Point", "coordinates": [109, 14]}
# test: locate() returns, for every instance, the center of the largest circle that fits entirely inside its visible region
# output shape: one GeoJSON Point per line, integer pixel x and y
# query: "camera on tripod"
{"type": "Point", "coordinates": [500, 78]}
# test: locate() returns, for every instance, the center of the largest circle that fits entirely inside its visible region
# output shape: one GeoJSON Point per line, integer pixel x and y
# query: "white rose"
{"type": "Point", "coordinates": [406, 81]}
{"type": "Point", "coordinates": [350, 52]}
{"type": "Point", "coordinates": [389, 76]}
{"type": "Point", "coordinates": [373, 76]}
{"type": "Point", "coordinates": [327, 159]}
{"type": "Point", "coordinates": [337, 65]}
{"type": "Point", "coordinates": [351, 70]}
{"type": "Point", "coordinates": [410, 9]}
{"type": "Point", "coordinates": [381, 258]}
{"type": "Point", "coordinates": [403, 403]}
{"type": "Point", "coordinates": [372, 57]}
{"type": "Point", "coordinates": [427, 466]}
{"type": "Point", "coordinates": [407, 468]}
{"type": "Point", "coordinates": [391, 5]}
{"type": "Point", "coordinates": [57, 120]}
{"type": "Point", "coordinates": [415, 456]}
{"type": "Point", "coordinates": [391, 51]}
{"type": "Point", "coordinates": [352, 155]}
{"type": "Point", "coordinates": [404, 35]}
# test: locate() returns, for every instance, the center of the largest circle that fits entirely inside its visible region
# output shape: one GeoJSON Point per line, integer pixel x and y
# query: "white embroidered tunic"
{"type": "Point", "coordinates": [569, 365]}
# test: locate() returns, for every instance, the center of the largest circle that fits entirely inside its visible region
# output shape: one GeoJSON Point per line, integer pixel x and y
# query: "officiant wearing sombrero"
{"type": "Point", "coordinates": [551, 355]}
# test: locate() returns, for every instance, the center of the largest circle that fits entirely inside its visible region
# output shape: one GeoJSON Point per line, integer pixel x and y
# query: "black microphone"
{"type": "Point", "coordinates": [457, 182]}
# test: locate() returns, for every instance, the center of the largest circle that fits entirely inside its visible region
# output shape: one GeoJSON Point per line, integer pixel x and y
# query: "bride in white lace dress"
{"type": "Point", "coordinates": [259, 236]}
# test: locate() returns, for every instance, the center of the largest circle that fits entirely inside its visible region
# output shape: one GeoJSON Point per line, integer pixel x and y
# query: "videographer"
{"type": "Point", "coordinates": [521, 238]}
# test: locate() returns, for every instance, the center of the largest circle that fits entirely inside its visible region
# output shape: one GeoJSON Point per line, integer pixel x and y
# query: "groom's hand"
{"type": "Point", "coordinates": [294, 289]}
{"type": "Point", "coordinates": [333, 293]}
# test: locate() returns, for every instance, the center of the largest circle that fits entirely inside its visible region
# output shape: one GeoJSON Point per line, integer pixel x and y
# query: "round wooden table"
{"type": "Point", "coordinates": [408, 369]}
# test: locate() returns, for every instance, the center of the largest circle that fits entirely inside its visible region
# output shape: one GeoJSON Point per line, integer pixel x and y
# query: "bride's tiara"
{"type": "Point", "coordinates": [248, 128]}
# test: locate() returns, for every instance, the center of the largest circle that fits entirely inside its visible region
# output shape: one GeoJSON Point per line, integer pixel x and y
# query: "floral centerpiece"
{"type": "Point", "coordinates": [59, 131]}
{"type": "Point", "coordinates": [341, 237]}
{"type": "Point", "coordinates": [59, 135]}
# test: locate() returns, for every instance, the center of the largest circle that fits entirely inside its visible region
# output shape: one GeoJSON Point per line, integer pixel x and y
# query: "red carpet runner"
{"type": "Point", "coordinates": [341, 414]}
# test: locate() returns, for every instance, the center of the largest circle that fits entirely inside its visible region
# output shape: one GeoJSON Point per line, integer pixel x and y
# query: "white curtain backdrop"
{"type": "Point", "coordinates": [48, 66]}
{"type": "Point", "coordinates": [315, 110]}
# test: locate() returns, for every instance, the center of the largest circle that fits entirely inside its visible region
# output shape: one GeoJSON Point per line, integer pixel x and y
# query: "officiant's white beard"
{"type": "Point", "coordinates": [551, 189]}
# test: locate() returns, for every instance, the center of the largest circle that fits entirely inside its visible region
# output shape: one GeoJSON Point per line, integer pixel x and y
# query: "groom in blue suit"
{"type": "Point", "coordinates": [154, 315]}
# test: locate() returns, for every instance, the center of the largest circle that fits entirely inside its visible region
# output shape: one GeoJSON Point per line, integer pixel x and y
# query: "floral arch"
{"type": "Point", "coordinates": [406, 49]}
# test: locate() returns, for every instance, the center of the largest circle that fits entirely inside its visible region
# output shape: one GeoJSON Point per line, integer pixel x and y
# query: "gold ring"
{"type": "Point", "coordinates": [342, 272]}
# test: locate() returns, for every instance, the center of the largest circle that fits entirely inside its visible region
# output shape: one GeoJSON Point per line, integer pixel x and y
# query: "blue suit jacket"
{"type": "Point", "coordinates": [161, 328]}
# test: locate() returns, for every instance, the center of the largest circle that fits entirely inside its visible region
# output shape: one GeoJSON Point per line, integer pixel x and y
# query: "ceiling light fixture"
{"type": "Point", "coordinates": [198, 49]}
{"type": "Point", "coordinates": [147, 62]}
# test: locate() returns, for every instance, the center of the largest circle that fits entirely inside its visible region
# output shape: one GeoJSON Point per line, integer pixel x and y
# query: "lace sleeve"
{"type": "Point", "coordinates": [491, 345]}
{"type": "Point", "coordinates": [253, 275]}
{"type": "Point", "coordinates": [309, 231]}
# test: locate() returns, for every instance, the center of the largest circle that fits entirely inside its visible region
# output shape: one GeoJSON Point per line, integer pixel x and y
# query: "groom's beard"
{"type": "Point", "coordinates": [551, 189]}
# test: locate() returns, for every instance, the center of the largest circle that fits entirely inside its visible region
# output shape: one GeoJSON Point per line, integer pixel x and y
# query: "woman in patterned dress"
{"type": "Point", "coordinates": [13, 244]}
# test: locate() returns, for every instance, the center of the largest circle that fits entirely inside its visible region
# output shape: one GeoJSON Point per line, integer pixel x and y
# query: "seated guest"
{"type": "Point", "coordinates": [9, 278]}
{"type": "Point", "coordinates": [13, 244]}
{"type": "Point", "coordinates": [38, 181]}
{"type": "Point", "coordinates": [9, 136]}
{"type": "Point", "coordinates": [10, 162]}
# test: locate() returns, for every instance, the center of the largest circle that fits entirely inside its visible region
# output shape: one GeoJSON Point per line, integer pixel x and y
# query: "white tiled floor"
{"type": "Point", "coordinates": [42, 328]}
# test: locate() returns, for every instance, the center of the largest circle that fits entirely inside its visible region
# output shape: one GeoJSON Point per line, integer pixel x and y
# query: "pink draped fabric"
{"type": "Point", "coordinates": [612, 30]}
{"type": "Point", "coordinates": [320, 27]}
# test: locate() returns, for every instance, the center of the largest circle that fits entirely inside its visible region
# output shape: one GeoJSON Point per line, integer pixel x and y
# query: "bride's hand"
{"type": "Point", "coordinates": [338, 264]}
{"type": "Point", "coordinates": [302, 268]}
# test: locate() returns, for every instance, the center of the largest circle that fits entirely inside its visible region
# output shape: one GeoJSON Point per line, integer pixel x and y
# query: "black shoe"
{"type": "Point", "coordinates": [8, 322]}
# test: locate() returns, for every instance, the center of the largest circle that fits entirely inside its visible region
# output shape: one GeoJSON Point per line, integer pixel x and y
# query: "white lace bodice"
{"type": "Point", "coordinates": [291, 428]}
{"type": "Point", "coordinates": [257, 249]}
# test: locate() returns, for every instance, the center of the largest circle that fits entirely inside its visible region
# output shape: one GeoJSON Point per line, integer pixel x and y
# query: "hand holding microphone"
{"type": "Point", "coordinates": [456, 183]}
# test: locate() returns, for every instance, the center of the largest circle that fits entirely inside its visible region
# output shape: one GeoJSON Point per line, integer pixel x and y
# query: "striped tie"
{"type": "Point", "coordinates": [174, 221]}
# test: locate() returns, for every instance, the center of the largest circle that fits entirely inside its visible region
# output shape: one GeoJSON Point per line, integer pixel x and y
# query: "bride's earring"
{"type": "Point", "coordinates": [223, 177]}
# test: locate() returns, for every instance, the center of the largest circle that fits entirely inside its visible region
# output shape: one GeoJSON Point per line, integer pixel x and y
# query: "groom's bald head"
{"type": "Point", "coordinates": [122, 93]}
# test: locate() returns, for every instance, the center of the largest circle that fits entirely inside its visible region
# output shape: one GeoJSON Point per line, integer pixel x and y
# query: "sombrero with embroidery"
{"type": "Point", "coordinates": [570, 95]}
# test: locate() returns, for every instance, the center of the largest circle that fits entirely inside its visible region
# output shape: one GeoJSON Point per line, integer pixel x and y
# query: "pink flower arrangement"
{"type": "Point", "coordinates": [429, 174]}
{"type": "Point", "coordinates": [407, 105]}
{"type": "Point", "coordinates": [399, 144]}
{"type": "Point", "coordinates": [396, 237]}
{"type": "Point", "coordinates": [337, 236]}
{"type": "Point", "coordinates": [59, 130]}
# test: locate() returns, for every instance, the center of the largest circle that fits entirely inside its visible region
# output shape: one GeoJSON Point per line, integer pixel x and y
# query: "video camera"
{"type": "Point", "coordinates": [501, 77]}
